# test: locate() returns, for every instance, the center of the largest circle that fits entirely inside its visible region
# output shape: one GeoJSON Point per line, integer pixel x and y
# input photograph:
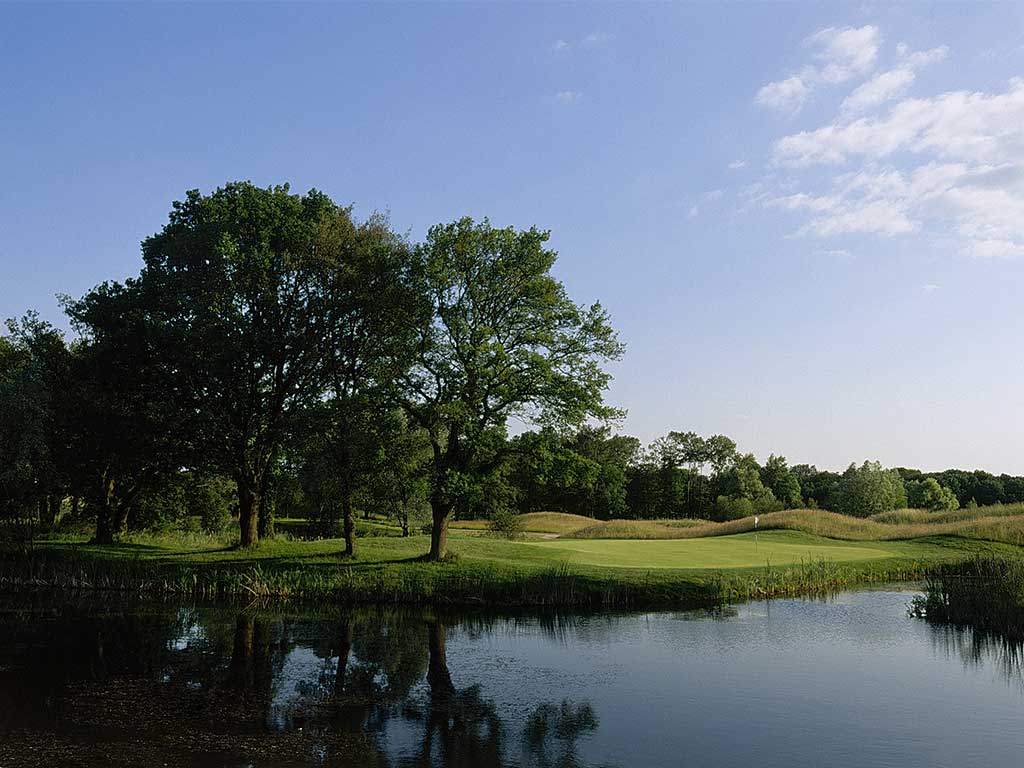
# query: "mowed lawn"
{"type": "Point", "coordinates": [739, 551]}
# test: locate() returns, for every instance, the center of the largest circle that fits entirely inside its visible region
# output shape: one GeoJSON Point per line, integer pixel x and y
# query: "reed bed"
{"type": "Point", "coordinates": [985, 593]}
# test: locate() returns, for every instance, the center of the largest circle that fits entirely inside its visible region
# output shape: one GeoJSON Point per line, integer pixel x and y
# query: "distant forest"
{"type": "Point", "coordinates": [277, 358]}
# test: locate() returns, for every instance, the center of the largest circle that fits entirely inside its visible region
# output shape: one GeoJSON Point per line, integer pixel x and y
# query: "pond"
{"type": "Point", "coordinates": [849, 681]}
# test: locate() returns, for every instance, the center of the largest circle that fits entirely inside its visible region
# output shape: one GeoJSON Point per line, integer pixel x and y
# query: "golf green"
{"type": "Point", "coordinates": [740, 551]}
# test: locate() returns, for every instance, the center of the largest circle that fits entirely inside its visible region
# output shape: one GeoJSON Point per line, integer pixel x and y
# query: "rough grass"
{"type": "Point", "coordinates": [1002, 523]}
{"type": "Point", "coordinates": [559, 523]}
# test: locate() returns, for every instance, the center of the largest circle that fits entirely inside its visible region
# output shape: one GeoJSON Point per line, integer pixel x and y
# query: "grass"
{"type": "Point", "coordinates": [685, 572]}
{"type": "Point", "coordinates": [558, 523]}
{"type": "Point", "coordinates": [721, 552]}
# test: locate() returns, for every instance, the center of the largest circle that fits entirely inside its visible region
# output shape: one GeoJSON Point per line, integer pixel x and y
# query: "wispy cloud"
{"type": "Point", "coordinates": [840, 55]}
{"type": "Point", "coordinates": [892, 83]}
{"type": "Point", "coordinates": [735, 165]}
{"type": "Point", "coordinates": [596, 38]}
{"type": "Point", "coordinates": [949, 165]}
{"type": "Point", "coordinates": [568, 97]}
{"type": "Point", "coordinates": [589, 41]}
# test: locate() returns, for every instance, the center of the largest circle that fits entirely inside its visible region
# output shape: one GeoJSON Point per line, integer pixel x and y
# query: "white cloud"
{"type": "Point", "coordinates": [596, 38]}
{"type": "Point", "coordinates": [694, 211]}
{"type": "Point", "coordinates": [841, 54]}
{"type": "Point", "coordinates": [559, 45]}
{"type": "Point", "coordinates": [735, 165]}
{"type": "Point", "coordinates": [994, 249]}
{"type": "Point", "coordinates": [568, 97]}
{"type": "Point", "coordinates": [929, 288]}
{"type": "Point", "coordinates": [788, 95]}
{"type": "Point", "coordinates": [892, 83]}
{"type": "Point", "coordinates": [957, 125]}
{"type": "Point", "coordinates": [845, 53]}
{"type": "Point", "coordinates": [879, 89]}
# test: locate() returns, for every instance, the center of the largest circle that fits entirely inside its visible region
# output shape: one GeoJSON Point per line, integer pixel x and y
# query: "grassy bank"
{"type": "Point", "coordinates": [484, 571]}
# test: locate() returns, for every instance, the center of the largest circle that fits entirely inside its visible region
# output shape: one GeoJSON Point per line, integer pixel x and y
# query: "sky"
{"type": "Point", "coordinates": [806, 221]}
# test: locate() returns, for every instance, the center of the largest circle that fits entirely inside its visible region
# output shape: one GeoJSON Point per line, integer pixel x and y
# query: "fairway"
{"type": "Point", "coordinates": [740, 551]}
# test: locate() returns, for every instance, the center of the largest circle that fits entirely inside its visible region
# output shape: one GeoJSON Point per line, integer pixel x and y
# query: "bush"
{"type": "Point", "coordinates": [868, 490]}
{"type": "Point", "coordinates": [733, 508]}
{"type": "Point", "coordinates": [506, 523]}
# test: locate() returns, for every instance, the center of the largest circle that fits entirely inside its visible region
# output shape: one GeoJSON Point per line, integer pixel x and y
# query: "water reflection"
{"type": "Point", "coordinates": [254, 688]}
{"type": "Point", "coordinates": [854, 678]}
{"type": "Point", "coordinates": [981, 650]}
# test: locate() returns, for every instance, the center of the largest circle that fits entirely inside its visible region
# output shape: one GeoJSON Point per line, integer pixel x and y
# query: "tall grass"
{"type": "Point", "coordinates": [560, 523]}
{"type": "Point", "coordinates": [1004, 523]}
{"type": "Point", "coordinates": [985, 593]}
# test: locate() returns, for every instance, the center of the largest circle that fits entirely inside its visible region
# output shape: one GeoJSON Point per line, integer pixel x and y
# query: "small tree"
{"type": "Point", "coordinates": [396, 483]}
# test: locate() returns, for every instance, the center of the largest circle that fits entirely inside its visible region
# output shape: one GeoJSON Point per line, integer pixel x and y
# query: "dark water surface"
{"type": "Point", "coordinates": [850, 681]}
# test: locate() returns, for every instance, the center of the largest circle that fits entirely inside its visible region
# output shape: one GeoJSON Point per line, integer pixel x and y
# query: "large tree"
{"type": "Point", "coordinates": [504, 341]}
{"type": "Point", "coordinates": [34, 365]}
{"type": "Point", "coordinates": [234, 282]}
{"type": "Point", "coordinates": [368, 341]}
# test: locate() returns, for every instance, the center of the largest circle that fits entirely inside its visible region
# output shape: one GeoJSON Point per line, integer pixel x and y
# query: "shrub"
{"type": "Point", "coordinates": [506, 523]}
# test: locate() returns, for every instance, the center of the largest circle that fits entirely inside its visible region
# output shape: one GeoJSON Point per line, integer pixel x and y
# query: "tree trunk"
{"type": "Point", "coordinates": [104, 513]}
{"type": "Point", "coordinates": [265, 519]}
{"type": "Point", "coordinates": [248, 507]}
{"type": "Point", "coordinates": [348, 519]}
{"type": "Point", "coordinates": [119, 518]}
{"type": "Point", "coordinates": [45, 522]}
{"type": "Point", "coordinates": [265, 515]}
{"type": "Point", "coordinates": [54, 512]}
{"type": "Point", "coordinates": [440, 513]}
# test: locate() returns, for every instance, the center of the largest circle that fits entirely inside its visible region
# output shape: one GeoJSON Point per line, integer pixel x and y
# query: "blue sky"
{"type": "Point", "coordinates": [807, 221]}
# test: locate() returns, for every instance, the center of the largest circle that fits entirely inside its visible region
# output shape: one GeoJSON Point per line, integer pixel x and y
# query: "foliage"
{"type": "Point", "coordinates": [869, 489]}
{"type": "Point", "coordinates": [506, 523]}
{"type": "Point", "coordinates": [232, 291]}
{"type": "Point", "coordinates": [499, 339]}
{"type": "Point", "coordinates": [928, 494]}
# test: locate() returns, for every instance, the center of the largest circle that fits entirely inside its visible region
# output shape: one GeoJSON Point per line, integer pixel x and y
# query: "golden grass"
{"type": "Point", "coordinates": [559, 523]}
{"type": "Point", "coordinates": [1003, 523]}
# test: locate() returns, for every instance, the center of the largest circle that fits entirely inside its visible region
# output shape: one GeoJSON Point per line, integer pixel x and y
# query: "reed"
{"type": "Point", "coordinates": [985, 593]}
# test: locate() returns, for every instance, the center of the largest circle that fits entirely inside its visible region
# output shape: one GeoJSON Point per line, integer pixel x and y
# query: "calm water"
{"type": "Point", "coordinates": [850, 681]}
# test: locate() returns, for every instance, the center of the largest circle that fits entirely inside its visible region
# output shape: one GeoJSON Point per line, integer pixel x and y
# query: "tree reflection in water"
{"type": "Point", "coordinates": [144, 686]}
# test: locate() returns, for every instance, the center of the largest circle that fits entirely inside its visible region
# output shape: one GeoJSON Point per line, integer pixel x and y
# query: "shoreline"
{"type": "Point", "coordinates": [459, 585]}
